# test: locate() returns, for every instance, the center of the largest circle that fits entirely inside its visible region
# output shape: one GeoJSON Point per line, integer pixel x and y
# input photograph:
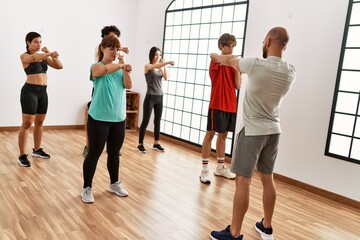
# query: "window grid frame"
{"type": "Point", "coordinates": [204, 102]}
{"type": "Point", "coordinates": [338, 91]}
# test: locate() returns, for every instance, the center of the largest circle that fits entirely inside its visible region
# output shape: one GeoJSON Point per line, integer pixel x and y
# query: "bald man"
{"type": "Point", "coordinates": [269, 81]}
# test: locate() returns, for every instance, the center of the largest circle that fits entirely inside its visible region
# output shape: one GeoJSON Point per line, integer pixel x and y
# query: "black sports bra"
{"type": "Point", "coordinates": [36, 67]}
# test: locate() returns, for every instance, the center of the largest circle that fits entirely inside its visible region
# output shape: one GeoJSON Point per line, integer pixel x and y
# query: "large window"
{"type": "Point", "coordinates": [192, 29]}
{"type": "Point", "coordinates": [344, 130]}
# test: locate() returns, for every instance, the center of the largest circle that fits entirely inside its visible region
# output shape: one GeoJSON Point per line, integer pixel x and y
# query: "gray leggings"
{"type": "Point", "coordinates": [151, 102]}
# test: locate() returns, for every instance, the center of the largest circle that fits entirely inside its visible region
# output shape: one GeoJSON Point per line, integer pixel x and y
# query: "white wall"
{"type": "Point", "coordinates": [72, 28]}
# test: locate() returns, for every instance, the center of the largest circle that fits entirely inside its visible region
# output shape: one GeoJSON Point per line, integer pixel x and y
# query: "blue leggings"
{"type": "Point", "coordinates": [99, 133]}
{"type": "Point", "coordinates": [151, 102]}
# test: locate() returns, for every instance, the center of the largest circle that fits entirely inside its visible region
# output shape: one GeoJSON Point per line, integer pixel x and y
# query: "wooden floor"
{"type": "Point", "coordinates": [166, 199]}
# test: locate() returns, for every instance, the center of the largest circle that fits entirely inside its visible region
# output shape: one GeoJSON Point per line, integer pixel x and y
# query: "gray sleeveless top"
{"type": "Point", "coordinates": [153, 80]}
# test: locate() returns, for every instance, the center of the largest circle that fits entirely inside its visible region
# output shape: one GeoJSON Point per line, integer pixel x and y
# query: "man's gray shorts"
{"type": "Point", "coordinates": [251, 151]}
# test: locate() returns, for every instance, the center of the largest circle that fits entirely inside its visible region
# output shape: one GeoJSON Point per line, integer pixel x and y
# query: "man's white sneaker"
{"type": "Point", "coordinates": [224, 172]}
{"type": "Point", "coordinates": [87, 195]}
{"type": "Point", "coordinates": [204, 177]}
{"type": "Point", "coordinates": [118, 189]}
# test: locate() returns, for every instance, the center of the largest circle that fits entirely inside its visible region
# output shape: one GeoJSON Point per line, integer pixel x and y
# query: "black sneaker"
{"type": "Point", "coordinates": [158, 147]}
{"type": "Point", "coordinates": [40, 153]}
{"type": "Point", "coordinates": [23, 161]}
{"type": "Point", "coordinates": [141, 148]}
{"type": "Point", "coordinates": [224, 235]}
{"type": "Point", "coordinates": [265, 233]}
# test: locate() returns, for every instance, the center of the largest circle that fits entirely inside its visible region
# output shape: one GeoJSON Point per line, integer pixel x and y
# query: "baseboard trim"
{"type": "Point", "coordinates": [318, 191]}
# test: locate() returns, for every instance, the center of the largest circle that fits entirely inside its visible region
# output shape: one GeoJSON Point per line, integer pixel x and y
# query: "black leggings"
{"type": "Point", "coordinates": [99, 133]}
{"type": "Point", "coordinates": [150, 102]}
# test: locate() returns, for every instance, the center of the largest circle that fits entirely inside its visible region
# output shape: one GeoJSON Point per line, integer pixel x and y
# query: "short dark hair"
{"type": "Point", "coordinates": [226, 39]}
{"type": "Point", "coordinates": [107, 29]}
{"type": "Point", "coordinates": [152, 52]}
{"type": "Point", "coordinates": [29, 37]}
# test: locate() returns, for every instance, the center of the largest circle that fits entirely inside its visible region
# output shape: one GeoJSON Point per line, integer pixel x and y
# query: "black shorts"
{"type": "Point", "coordinates": [33, 99]}
{"type": "Point", "coordinates": [220, 121]}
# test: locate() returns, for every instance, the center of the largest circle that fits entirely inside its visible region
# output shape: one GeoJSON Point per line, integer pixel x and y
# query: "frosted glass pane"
{"type": "Point", "coordinates": [170, 19]}
{"type": "Point", "coordinates": [190, 75]}
{"type": "Point", "coordinates": [195, 121]}
{"type": "Point", "coordinates": [240, 12]}
{"type": "Point", "coordinates": [195, 18]}
{"type": "Point", "coordinates": [201, 137]}
{"type": "Point", "coordinates": [238, 49]}
{"type": "Point", "coordinates": [215, 30]}
{"type": "Point", "coordinates": [184, 46]}
{"type": "Point", "coordinates": [199, 91]}
{"type": "Point", "coordinates": [177, 117]}
{"type": "Point", "coordinates": [218, 2]}
{"type": "Point", "coordinates": [355, 14]}
{"type": "Point", "coordinates": [172, 74]}
{"type": "Point", "coordinates": [171, 88]}
{"type": "Point", "coordinates": [238, 28]}
{"type": "Point", "coordinates": [351, 59]}
{"type": "Point", "coordinates": [178, 16]}
{"type": "Point", "coordinates": [205, 108]}
{"type": "Point", "coordinates": [203, 122]}
{"type": "Point", "coordinates": [213, 142]}
{"type": "Point", "coordinates": [189, 90]}
{"type": "Point", "coordinates": [355, 150]}
{"type": "Point", "coordinates": [169, 32]}
{"type": "Point", "coordinates": [175, 46]}
{"type": "Point", "coordinates": [176, 131]}
{"type": "Point", "coordinates": [185, 133]}
{"type": "Point", "coordinates": [202, 61]}
{"type": "Point", "coordinates": [216, 15]}
{"type": "Point", "coordinates": [193, 46]}
{"type": "Point", "coordinates": [228, 146]}
{"type": "Point", "coordinates": [170, 101]}
{"type": "Point", "coordinates": [204, 30]}
{"type": "Point", "coordinates": [174, 57]}
{"type": "Point", "coordinates": [168, 128]}
{"type": "Point", "coordinates": [169, 115]}
{"type": "Point", "coordinates": [207, 93]}
{"type": "Point", "coordinates": [182, 61]}
{"type": "Point", "coordinates": [213, 45]}
{"type": "Point", "coordinates": [191, 64]}
{"type": "Point", "coordinates": [353, 38]}
{"type": "Point", "coordinates": [200, 76]}
{"type": "Point", "coordinates": [205, 15]}
{"type": "Point", "coordinates": [188, 104]}
{"type": "Point", "coordinates": [189, 3]}
{"type": "Point", "coordinates": [357, 128]}
{"type": "Point", "coordinates": [162, 126]}
{"type": "Point", "coordinates": [228, 13]}
{"type": "Point", "coordinates": [203, 47]}
{"type": "Point", "coordinates": [347, 102]}
{"type": "Point", "coordinates": [194, 31]}
{"type": "Point", "coordinates": [179, 102]}
{"type": "Point", "coordinates": [186, 17]}
{"type": "Point", "coordinates": [340, 145]}
{"type": "Point", "coordinates": [227, 28]}
{"type": "Point", "coordinates": [343, 124]}
{"type": "Point", "coordinates": [350, 81]}
{"type": "Point", "coordinates": [180, 88]}
{"type": "Point", "coordinates": [197, 106]}
{"type": "Point", "coordinates": [165, 86]}
{"type": "Point", "coordinates": [194, 135]}
{"type": "Point", "coordinates": [181, 77]}
{"type": "Point", "coordinates": [186, 119]}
